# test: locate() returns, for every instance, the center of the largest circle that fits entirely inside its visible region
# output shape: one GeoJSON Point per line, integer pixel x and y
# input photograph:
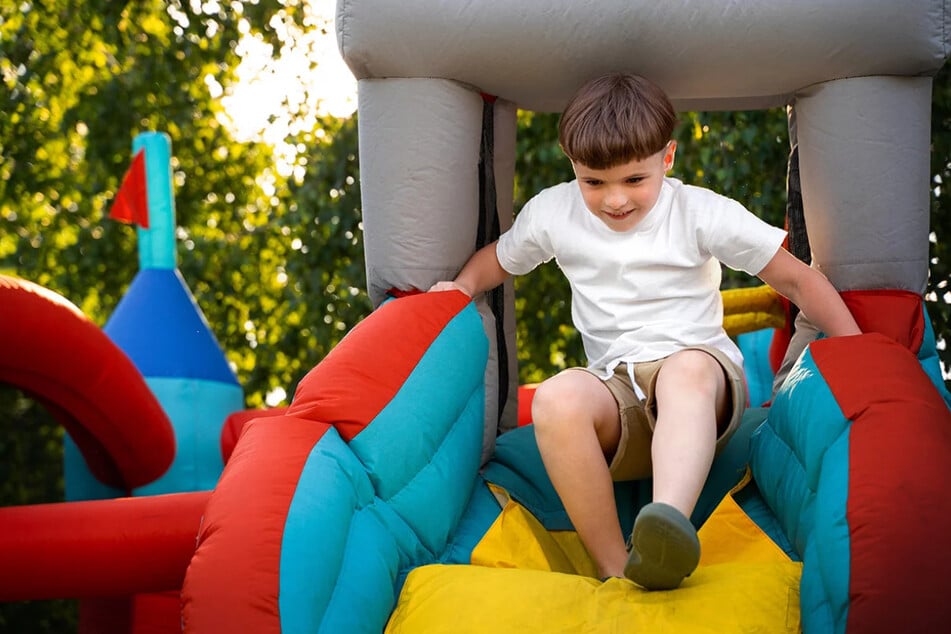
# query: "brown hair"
{"type": "Point", "coordinates": [616, 119]}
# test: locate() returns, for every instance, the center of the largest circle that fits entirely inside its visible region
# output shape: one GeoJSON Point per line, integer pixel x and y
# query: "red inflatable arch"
{"type": "Point", "coordinates": [58, 356]}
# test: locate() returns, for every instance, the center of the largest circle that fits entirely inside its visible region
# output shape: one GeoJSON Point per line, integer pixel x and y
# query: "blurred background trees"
{"type": "Point", "coordinates": [269, 243]}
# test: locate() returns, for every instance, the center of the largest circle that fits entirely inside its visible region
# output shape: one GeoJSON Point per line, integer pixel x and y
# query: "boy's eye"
{"type": "Point", "coordinates": [635, 179]}
{"type": "Point", "coordinates": [591, 181]}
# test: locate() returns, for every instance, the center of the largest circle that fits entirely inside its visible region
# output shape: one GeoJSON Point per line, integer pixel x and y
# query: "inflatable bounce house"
{"type": "Point", "coordinates": [394, 494]}
{"type": "Point", "coordinates": [401, 491]}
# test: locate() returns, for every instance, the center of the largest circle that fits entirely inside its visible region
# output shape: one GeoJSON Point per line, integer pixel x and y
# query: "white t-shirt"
{"type": "Point", "coordinates": [642, 294]}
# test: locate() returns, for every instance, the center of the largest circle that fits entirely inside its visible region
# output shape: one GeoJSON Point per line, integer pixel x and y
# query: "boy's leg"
{"type": "Point", "coordinates": [577, 424]}
{"type": "Point", "coordinates": [691, 396]}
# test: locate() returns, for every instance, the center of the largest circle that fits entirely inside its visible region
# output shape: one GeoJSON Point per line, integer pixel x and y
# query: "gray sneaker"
{"type": "Point", "coordinates": [663, 549]}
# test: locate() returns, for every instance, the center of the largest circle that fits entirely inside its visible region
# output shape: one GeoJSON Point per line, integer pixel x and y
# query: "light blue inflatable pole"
{"type": "Point", "coordinates": [157, 243]}
{"type": "Point", "coordinates": [161, 327]}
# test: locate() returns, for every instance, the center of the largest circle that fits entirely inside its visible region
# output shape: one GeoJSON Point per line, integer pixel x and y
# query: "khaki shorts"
{"type": "Point", "coordinates": [632, 460]}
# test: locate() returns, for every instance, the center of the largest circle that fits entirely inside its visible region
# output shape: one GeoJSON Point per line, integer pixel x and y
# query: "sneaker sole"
{"type": "Point", "coordinates": [664, 548]}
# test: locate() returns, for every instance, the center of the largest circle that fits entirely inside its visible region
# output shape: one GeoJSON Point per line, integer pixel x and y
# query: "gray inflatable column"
{"type": "Point", "coordinates": [864, 164]}
{"type": "Point", "coordinates": [865, 172]}
{"type": "Point", "coordinates": [420, 143]}
{"type": "Point", "coordinates": [506, 125]}
{"type": "Point", "coordinates": [419, 157]}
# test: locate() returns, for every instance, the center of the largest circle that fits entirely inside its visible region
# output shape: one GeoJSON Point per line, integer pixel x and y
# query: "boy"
{"type": "Point", "coordinates": [664, 388]}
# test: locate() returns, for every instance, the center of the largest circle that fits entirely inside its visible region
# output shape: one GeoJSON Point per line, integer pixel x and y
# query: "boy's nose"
{"type": "Point", "coordinates": [615, 199]}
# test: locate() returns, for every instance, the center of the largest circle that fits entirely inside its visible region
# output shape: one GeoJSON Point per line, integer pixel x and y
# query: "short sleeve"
{"type": "Point", "coordinates": [740, 239]}
{"type": "Point", "coordinates": [526, 244]}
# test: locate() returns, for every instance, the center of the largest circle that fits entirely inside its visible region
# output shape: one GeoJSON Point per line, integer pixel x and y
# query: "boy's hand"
{"type": "Point", "coordinates": [449, 286]}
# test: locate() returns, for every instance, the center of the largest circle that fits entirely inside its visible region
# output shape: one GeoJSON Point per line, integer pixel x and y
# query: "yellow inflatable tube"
{"type": "Point", "coordinates": [749, 309]}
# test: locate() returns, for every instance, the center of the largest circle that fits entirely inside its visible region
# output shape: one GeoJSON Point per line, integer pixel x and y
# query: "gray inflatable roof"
{"type": "Point", "coordinates": [707, 54]}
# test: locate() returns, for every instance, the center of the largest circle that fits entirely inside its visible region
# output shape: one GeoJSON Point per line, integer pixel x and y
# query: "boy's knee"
{"type": "Point", "coordinates": [556, 399]}
{"type": "Point", "coordinates": [545, 402]}
{"type": "Point", "coordinates": [692, 368]}
{"type": "Point", "coordinates": [692, 360]}
{"type": "Point", "coordinates": [573, 398]}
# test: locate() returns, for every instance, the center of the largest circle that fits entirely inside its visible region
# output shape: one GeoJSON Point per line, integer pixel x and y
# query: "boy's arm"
{"type": "Point", "coordinates": [481, 273]}
{"type": "Point", "coordinates": [809, 289]}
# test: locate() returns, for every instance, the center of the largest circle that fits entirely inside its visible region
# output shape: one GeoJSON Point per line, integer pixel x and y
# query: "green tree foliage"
{"type": "Point", "coordinates": [275, 263]}
{"type": "Point", "coordinates": [939, 293]}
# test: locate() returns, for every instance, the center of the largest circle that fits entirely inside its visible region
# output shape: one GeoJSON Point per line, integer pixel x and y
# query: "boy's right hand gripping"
{"type": "Point", "coordinates": [449, 286]}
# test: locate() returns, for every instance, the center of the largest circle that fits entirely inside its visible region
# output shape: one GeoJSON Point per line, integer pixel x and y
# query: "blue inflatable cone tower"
{"type": "Point", "coordinates": [162, 329]}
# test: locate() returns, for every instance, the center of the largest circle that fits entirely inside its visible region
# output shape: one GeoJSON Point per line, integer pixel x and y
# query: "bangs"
{"type": "Point", "coordinates": [614, 120]}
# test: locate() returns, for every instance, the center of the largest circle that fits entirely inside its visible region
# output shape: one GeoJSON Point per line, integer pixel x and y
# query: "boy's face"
{"type": "Point", "coordinates": [621, 196]}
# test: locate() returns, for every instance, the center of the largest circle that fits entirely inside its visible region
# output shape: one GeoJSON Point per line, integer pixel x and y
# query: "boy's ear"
{"type": "Point", "coordinates": [669, 153]}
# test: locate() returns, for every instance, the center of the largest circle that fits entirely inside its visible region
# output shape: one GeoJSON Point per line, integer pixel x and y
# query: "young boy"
{"type": "Point", "coordinates": [663, 390]}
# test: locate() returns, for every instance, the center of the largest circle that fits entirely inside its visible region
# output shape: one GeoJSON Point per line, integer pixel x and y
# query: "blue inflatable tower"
{"type": "Point", "coordinates": [161, 327]}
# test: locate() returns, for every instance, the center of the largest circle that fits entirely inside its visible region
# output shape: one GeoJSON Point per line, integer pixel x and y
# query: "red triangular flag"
{"type": "Point", "coordinates": [131, 203]}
